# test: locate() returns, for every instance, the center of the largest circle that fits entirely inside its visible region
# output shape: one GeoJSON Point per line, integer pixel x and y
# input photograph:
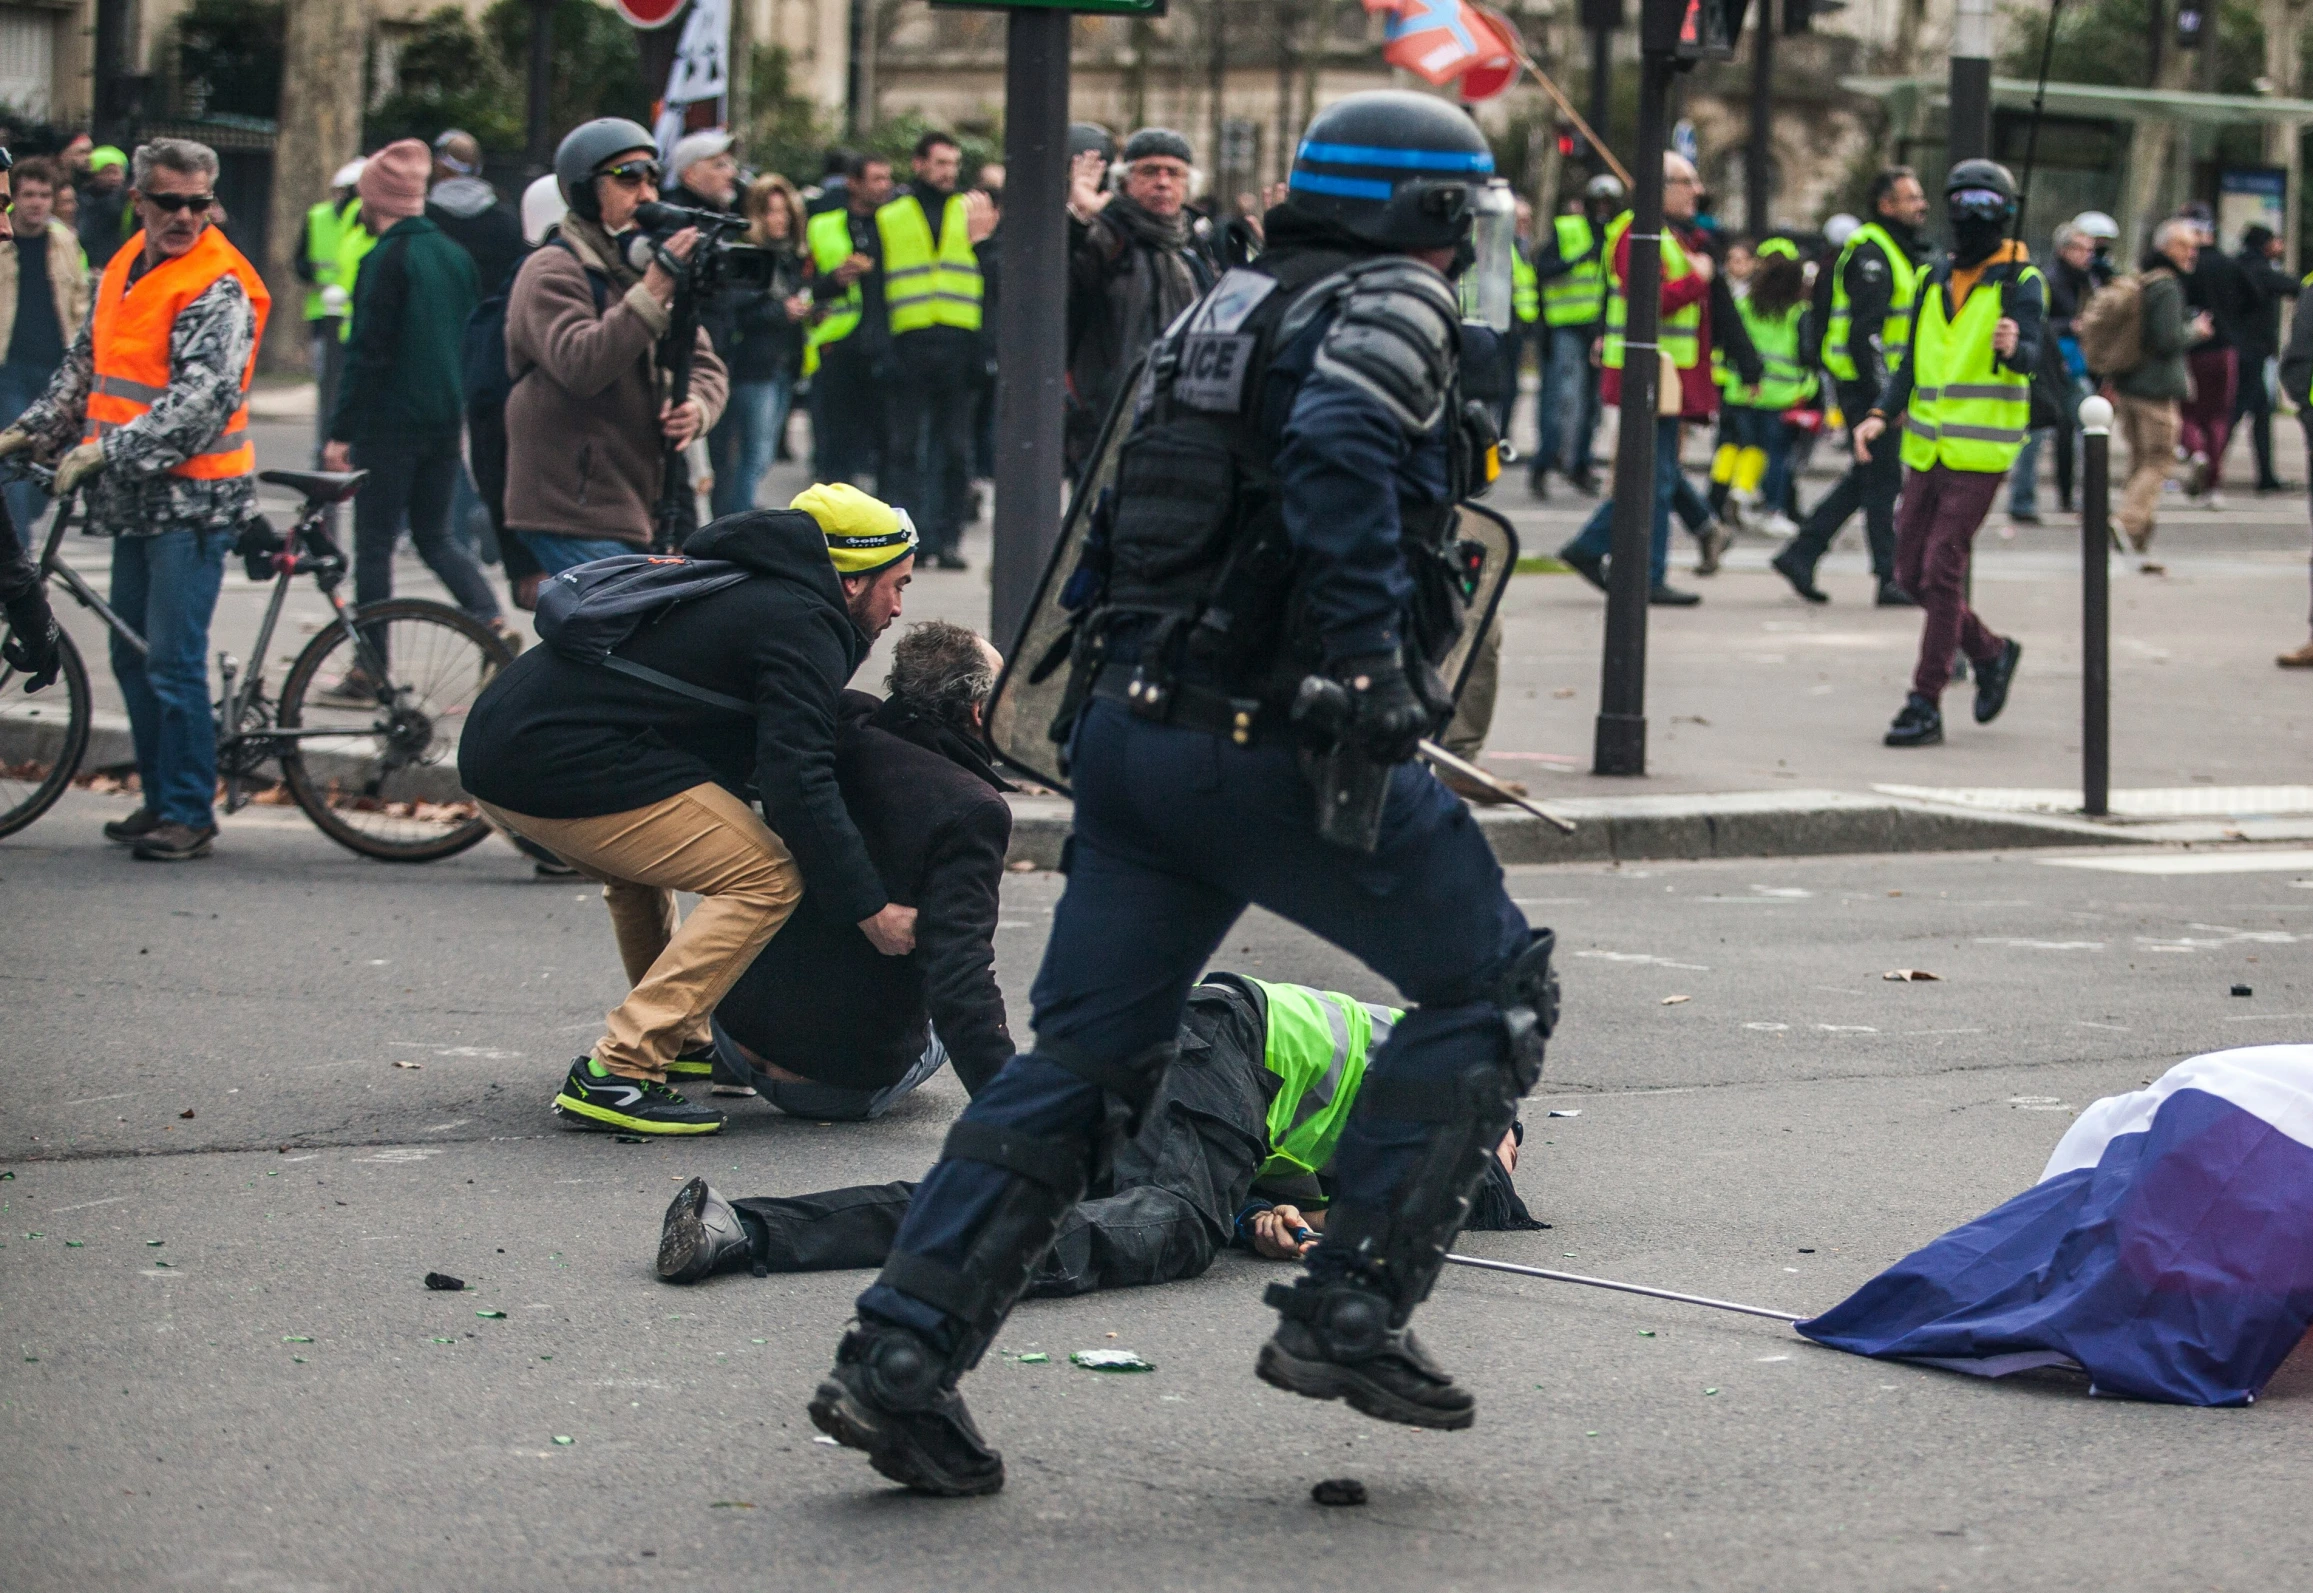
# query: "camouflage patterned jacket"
{"type": "Point", "coordinates": [134, 495]}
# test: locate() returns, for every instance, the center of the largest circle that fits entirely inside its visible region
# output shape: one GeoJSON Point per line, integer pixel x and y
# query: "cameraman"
{"type": "Point", "coordinates": [589, 419]}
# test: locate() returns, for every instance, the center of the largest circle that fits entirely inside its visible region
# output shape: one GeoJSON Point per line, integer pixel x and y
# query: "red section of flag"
{"type": "Point", "coordinates": [1445, 40]}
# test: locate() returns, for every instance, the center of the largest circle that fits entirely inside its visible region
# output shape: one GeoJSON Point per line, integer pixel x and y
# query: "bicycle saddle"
{"type": "Point", "coordinates": [318, 486]}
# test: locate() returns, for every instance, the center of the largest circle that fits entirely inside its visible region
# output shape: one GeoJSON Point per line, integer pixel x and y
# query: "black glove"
{"type": "Point", "coordinates": [32, 645]}
{"type": "Point", "coordinates": [1386, 718]}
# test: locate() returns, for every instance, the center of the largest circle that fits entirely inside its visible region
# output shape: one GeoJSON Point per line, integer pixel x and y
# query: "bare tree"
{"type": "Point", "coordinates": [321, 93]}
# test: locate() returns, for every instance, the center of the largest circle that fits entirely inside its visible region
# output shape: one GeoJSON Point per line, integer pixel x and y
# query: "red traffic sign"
{"type": "Point", "coordinates": [649, 13]}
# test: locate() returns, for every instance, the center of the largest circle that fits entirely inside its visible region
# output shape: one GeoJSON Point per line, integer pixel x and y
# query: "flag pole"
{"type": "Point", "coordinates": [1625, 1288]}
{"type": "Point", "coordinates": [1517, 44]}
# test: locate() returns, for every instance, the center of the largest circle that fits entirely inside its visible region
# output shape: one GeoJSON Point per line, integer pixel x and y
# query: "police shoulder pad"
{"type": "Point", "coordinates": [1395, 337]}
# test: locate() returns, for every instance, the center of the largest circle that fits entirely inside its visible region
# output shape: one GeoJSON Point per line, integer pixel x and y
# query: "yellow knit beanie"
{"type": "Point", "coordinates": [864, 534]}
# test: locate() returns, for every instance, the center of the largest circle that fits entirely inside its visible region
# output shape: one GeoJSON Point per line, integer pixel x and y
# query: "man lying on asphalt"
{"type": "Point", "coordinates": [1236, 1148]}
{"type": "Point", "coordinates": [820, 1024]}
{"type": "Point", "coordinates": [624, 745]}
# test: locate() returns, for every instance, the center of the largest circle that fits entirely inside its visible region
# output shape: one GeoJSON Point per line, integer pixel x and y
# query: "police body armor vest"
{"type": "Point", "coordinates": [1194, 554]}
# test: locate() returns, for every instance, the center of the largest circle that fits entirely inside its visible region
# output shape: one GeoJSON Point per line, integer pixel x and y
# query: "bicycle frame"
{"type": "Point", "coordinates": [240, 692]}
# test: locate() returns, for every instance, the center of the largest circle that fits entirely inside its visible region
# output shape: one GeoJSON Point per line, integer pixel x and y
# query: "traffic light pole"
{"type": "Point", "coordinates": [1969, 122]}
{"type": "Point", "coordinates": [1031, 315]}
{"type": "Point", "coordinates": [1755, 164]}
{"type": "Point", "coordinates": [1619, 743]}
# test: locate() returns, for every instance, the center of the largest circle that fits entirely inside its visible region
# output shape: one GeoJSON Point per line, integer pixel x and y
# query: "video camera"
{"type": "Point", "coordinates": [717, 261]}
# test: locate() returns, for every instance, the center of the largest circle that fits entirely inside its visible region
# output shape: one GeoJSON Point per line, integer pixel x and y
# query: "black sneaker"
{"type": "Point", "coordinates": [1671, 597]}
{"type": "Point", "coordinates": [702, 1235]}
{"type": "Point", "coordinates": [631, 1106]}
{"type": "Point", "coordinates": [174, 843]}
{"type": "Point", "coordinates": [1584, 563]}
{"type": "Point", "coordinates": [697, 1063]}
{"type": "Point", "coordinates": [1894, 596]}
{"type": "Point", "coordinates": [889, 1396]}
{"type": "Point", "coordinates": [1335, 1342]}
{"type": "Point", "coordinates": [134, 828]}
{"type": "Point", "coordinates": [1992, 682]}
{"type": "Point", "coordinates": [1789, 565]}
{"type": "Point", "coordinates": [1920, 724]}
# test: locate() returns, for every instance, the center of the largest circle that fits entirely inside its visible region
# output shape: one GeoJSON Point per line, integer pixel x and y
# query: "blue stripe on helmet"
{"type": "Point", "coordinates": [1413, 159]}
{"type": "Point", "coordinates": [1347, 187]}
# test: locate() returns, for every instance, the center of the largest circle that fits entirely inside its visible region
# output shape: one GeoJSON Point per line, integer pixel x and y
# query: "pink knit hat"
{"type": "Point", "coordinates": [393, 184]}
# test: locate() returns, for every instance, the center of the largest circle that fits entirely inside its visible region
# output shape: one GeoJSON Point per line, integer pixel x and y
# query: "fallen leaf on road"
{"type": "Point", "coordinates": [444, 1282]}
{"type": "Point", "coordinates": [187, 1112]}
{"type": "Point", "coordinates": [1912, 975]}
{"type": "Point", "coordinates": [409, 1064]}
{"type": "Point", "coordinates": [1672, 1001]}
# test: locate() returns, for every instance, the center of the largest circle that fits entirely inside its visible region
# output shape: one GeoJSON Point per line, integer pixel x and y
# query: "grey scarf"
{"type": "Point", "coordinates": [1161, 282]}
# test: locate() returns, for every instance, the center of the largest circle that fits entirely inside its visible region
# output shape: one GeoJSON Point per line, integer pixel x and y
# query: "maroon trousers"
{"type": "Point", "coordinates": [2207, 416]}
{"type": "Point", "coordinates": [1935, 533]}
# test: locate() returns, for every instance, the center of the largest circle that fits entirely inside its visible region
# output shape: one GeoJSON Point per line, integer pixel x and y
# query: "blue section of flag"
{"type": "Point", "coordinates": [2178, 1266]}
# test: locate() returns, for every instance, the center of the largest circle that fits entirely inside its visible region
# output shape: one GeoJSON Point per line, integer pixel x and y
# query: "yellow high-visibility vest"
{"type": "Point", "coordinates": [1681, 331]}
{"type": "Point", "coordinates": [1967, 412]}
{"type": "Point", "coordinates": [925, 283]}
{"type": "Point", "coordinates": [829, 236]}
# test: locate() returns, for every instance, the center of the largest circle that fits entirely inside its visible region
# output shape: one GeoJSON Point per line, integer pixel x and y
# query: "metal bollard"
{"type": "Point", "coordinates": [2096, 606]}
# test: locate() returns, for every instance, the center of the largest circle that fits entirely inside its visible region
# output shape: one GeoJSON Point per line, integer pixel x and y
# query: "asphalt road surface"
{"type": "Point", "coordinates": [222, 1370]}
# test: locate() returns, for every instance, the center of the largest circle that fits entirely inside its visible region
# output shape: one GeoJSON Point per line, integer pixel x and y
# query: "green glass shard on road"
{"type": "Point", "coordinates": [500, 1315]}
{"type": "Point", "coordinates": [558, 1438]}
{"type": "Point", "coordinates": [295, 1338]}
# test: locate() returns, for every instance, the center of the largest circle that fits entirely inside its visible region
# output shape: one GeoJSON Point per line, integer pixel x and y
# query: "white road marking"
{"type": "Point", "coordinates": [2254, 860]}
{"type": "Point", "coordinates": [109, 1200]}
{"type": "Point", "coordinates": [1646, 958]}
{"type": "Point", "coordinates": [91, 1100]}
{"type": "Point", "coordinates": [2021, 943]}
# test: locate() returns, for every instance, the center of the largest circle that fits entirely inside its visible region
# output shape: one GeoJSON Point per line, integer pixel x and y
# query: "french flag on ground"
{"type": "Point", "coordinates": [2167, 1250]}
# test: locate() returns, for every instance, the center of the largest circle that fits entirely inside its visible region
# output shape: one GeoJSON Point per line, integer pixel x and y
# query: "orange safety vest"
{"type": "Point", "coordinates": [131, 345]}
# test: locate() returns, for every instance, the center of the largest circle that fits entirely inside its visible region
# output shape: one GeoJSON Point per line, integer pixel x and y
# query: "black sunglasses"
{"type": "Point", "coordinates": [633, 172]}
{"type": "Point", "coordinates": [198, 204]}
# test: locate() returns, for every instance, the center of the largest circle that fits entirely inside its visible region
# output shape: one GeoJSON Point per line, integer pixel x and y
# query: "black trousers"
{"type": "Point", "coordinates": [846, 414]}
{"type": "Point", "coordinates": [929, 406]}
{"type": "Point", "coordinates": [1169, 1205]}
{"type": "Point", "coordinates": [486, 451]}
{"type": "Point", "coordinates": [2255, 400]}
{"type": "Point", "coordinates": [1871, 486]}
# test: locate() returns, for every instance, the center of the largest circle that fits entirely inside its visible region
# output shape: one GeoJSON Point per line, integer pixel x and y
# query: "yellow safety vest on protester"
{"type": "Point", "coordinates": [1681, 332]}
{"type": "Point", "coordinates": [1785, 383]}
{"type": "Point", "coordinates": [927, 284]}
{"type": "Point", "coordinates": [1525, 291]}
{"type": "Point", "coordinates": [353, 247]}
{"type": "Point", "coordinates": [1572, 299]}
{"type": "Point", "coordinates": [325, 229]}
{"type": "Point", "coordinates": [1319, 1042]}
{"type": "Point", "coordinates": [1903, 289]}
{"type": "Point", "coordinates": [829, 235]}
{"type": "Point", "coordinates": [1967, 413]}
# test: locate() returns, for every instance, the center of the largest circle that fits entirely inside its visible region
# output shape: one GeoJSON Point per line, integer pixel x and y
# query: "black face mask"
{"type": "Point", "coordinates": [1974, 239]}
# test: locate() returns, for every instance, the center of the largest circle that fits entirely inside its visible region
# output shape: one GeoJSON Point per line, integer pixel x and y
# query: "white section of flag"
{"type": "Point", "coordinates": [2273, 1083]}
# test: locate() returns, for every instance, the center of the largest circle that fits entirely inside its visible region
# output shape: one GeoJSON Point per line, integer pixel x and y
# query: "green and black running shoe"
{"type": "Point", "coordinates": [695, 1064]}
{"type": "Point", "coordinates": [604, 1102]}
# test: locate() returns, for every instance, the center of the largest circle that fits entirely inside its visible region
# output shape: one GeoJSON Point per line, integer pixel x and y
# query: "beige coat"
{"type": "Point", "coordinates": [68, 280]}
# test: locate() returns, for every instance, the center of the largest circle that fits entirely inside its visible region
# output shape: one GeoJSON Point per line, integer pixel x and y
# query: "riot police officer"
{"type": "Point", "coordinates": [1247, 565]}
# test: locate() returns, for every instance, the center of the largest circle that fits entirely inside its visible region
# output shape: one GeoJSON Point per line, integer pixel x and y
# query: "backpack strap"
{"type": "Point", "coordinates": [667, 682]}
{"type": "Point", "coordinates": [595, 280]}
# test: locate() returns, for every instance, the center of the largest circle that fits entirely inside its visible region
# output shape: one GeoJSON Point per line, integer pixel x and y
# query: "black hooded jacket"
{"type": "Point", "coordinates": [559, 739]}
{"type": "Point", "coordinates": [819, 1000]}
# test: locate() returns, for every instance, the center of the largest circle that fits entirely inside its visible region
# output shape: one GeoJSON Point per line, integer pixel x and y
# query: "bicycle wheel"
{"type": "Point", "coordinates": [42, 738]}
{"type": "Point", "coordinates": [385, 781]}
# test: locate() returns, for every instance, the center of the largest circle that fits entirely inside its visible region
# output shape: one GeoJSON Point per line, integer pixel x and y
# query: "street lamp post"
{"type": "Point", "coordinates": [1619, 742]}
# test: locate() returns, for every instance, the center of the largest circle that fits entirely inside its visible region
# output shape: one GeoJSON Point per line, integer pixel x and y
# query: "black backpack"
{"type": "Point", "coordinates": [587, 611]}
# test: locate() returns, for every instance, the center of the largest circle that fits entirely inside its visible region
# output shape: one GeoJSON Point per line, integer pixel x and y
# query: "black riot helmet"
{"type": "Point", "coordinates": [585, 149]}
{"type": "Point", "coordinates": [1980, 190]}
{"type": "Point", "coordinates": [1397, 169]}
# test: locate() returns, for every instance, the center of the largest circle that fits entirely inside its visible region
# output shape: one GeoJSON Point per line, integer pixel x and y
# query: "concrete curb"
{"type": "Point", "coordinates": [1717, 824]}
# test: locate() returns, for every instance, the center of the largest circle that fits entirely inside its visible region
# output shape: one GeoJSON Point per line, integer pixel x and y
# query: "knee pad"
{"type": "Point", "coordinates": [1723, 463]}
{"type": "Point", "coordinates": [1527, 994]}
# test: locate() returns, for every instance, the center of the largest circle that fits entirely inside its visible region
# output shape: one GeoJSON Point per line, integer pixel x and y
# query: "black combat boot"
{"type": "Point", "coordinates": [703, 1235]}
{"type": "Point", "coordinates": [891, 1395]}
{"type": "Point", "coordinates": [1336, 1342]}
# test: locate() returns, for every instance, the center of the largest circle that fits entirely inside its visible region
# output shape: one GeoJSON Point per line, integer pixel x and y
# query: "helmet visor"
{"type": "Point", "coordinates": [1489, 282]}
{"type": "Point", "coordinates": [1979, 204]}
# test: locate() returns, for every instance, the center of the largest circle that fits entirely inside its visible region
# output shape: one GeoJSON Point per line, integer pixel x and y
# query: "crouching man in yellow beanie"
{"type": "Point", "coordinates": [670, 689]}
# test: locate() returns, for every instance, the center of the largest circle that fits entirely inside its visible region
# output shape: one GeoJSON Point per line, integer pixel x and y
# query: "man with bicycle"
{"type": "Point", "coordinates": [150, 413]}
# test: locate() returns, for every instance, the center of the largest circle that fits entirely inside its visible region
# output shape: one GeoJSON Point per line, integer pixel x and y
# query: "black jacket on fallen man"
{"type": "Point", "coordinates": [557, 738]}
{"type": "Point", "coordinates": [819, 1000]}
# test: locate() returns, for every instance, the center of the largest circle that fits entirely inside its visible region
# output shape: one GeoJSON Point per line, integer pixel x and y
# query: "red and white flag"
{"type": "Point", "coordinates": [1444, 41]}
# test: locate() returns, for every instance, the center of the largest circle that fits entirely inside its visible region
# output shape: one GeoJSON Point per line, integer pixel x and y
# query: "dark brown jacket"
{"type": "Point", "coordinates": [582, 430]}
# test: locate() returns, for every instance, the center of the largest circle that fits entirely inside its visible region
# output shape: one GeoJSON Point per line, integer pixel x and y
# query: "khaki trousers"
{"type": "Point", "coordinates": [704, 840]}
{"type": "Point", "coordinates": [1466, 737]}
{"type": "Point", "coordinates": [2149, 427]}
